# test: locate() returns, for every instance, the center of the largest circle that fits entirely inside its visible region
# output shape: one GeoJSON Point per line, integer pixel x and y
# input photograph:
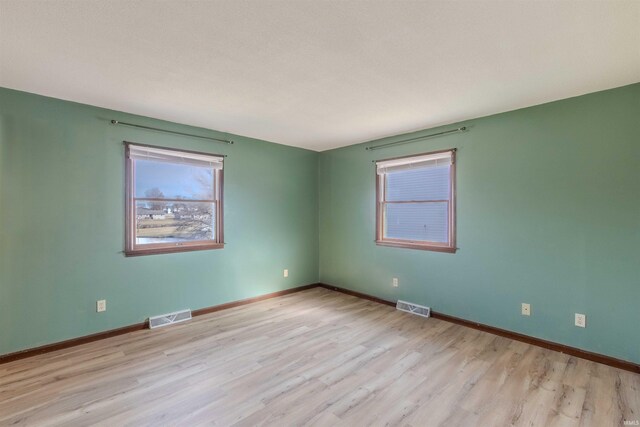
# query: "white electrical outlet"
{"type": "Point", "coordinates": [286, 273]}
{"type": "Point", "coordinates": [101, 305]}
{"type": "Point", "coordinates": [526, 309]}
{"type": "Point", "coordinates": [581, 320]}
{"type": "Point", "coordinates": [394, 282]}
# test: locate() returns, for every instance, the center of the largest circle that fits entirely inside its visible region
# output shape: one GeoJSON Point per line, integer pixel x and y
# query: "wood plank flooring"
{"type": "Point", "coordinates": [317, 358]}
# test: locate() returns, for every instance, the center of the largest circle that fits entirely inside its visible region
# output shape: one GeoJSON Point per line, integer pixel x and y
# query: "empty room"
{"type": "Point", "coordinates": [319, 213]}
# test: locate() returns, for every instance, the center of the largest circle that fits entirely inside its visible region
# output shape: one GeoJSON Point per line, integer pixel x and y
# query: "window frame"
{"type": "Point", "coordinates": [134, 249]}
{"type": "Point", "coordinates": [380, 240]}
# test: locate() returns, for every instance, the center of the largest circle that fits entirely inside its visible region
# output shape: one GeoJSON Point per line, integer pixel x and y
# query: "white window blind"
{"type": "Point", "coordinates": [415, 198]}
{"type": "Point", "coordinates": [139, 152]}
{"type": "Point", "coordinates": [416, 162]}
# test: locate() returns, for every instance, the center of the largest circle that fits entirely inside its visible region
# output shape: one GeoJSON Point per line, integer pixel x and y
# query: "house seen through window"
{"type": "Point", "coordinates": [174, 200]}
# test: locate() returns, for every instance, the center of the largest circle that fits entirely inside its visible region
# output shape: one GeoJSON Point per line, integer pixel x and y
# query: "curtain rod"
{"type": "Point", "coordinates": [116, 122]}
{"type": "Point", "coordinates": [406, 141]}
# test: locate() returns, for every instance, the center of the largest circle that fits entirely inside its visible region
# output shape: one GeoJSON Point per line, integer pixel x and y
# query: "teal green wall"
{"type": "Point", "coordinates": [548, 213]}
{"type": "Point", "coordinates": [62, 224]}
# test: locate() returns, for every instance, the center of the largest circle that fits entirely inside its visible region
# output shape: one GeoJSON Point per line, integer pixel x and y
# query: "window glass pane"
{"type": "Point", "coordinates": [419, 184]}
{"type": "Point", "coordinates": [417, 221]}
{"type": "Point", "coordinates": [174, 222]}
{"type": "Point", "coordinates": [162, 180]}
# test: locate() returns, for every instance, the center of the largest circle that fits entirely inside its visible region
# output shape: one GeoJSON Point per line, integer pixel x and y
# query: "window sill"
{"type": "Point", "coordinates": [172, 249]}
{"type": "Point", "coordinates": [416, 245]}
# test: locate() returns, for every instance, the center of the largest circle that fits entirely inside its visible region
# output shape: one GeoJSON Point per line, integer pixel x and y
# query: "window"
{"type": "Point", "coordinates": [416, 201]}
{"type": "Point", "coordinates": [173, 200]}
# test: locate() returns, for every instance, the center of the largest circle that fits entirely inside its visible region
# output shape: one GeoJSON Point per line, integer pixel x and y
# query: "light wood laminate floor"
{"type": "Point", "coordinates": [316, 357]}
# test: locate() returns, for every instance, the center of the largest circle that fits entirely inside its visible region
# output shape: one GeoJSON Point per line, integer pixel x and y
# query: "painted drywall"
{"type": "Point", "coordinates": [62, 224]}
{"type": "Point", "coordinates": [548, 214]}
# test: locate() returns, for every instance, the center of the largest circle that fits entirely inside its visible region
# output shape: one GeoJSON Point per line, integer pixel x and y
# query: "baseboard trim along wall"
{"type": "Point", "coordinates": [48, 348]}
{"type": "Point", "coordinates": [23, 354]}
{"type": "Point", "coordinates": [232, 304]}
{"type": "Point", "coordinates": [572, 351]}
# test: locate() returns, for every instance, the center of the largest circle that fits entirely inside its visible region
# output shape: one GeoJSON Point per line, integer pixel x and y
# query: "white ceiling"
{"type": "Point", "coordinates": [317, 74]}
